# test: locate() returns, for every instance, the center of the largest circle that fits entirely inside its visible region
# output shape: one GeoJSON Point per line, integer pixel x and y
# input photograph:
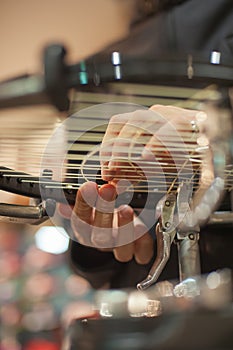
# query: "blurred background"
{"type": "Point", "coordinates": [85, 26]}
{"type": "Point", "coordinates": [39, 294]}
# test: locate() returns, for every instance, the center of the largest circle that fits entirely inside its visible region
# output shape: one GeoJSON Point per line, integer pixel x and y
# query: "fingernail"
{"type": "Point", "coordinates": [108, 192]}
{"type": "Point", "coordinates": [111, 165]}
{"type": "Point", "coordinates": [89, 192]}
{"type": "Point", "coordinates": [126, 212]}
{"type": "Point", "coordinates": [147, 154]}
{"type": "Point", "coordinates": [107, 175]}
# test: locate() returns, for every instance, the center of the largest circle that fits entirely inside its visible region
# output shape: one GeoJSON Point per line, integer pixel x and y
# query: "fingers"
{"type": "Point", "coordinates": [141, 133]}
{"type": "Point", "coordinates": [92, 216]}
{"type": "Point", "coordinates": [123, 144]}
{"type": "Point", "coordinates": [94, 227]}
{"type": "Point", "coordinates": [82, 215]}
{"type": "Point", "coordinates": [123, 131]}
{"type": "Point", "coordinates": [114, 127]}
{"type": "Point", "coordinates": [144, 249]}
{"type": "Point", "coordinates": [174, 141]}
{"type": "Point", "coordinates": [132, 229]}
{"type": "Point", "coordinates": [85, 201]}
{"type": "Point", "coordinates": [65, 210]}
{"type": "Point", "coordinates": [124, 252]}
{"type": "Point", "coordinates": [103, 221]}
{"type": "Point", "coordinates": [144, 244]}
{"type": "Point", "coordinates": [175, 114]}
{"type": "Point", "coordinates": [136, 128]}
{"type": "Point", "coordinates": [132, 136]}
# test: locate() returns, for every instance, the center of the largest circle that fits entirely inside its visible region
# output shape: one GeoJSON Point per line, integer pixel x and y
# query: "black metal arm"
{"type": "Point", "coordinates": [53, 86]}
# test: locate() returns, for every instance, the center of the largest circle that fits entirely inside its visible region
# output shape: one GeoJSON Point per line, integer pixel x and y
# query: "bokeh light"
{"type": "Point", "coordinates": [52, 239]}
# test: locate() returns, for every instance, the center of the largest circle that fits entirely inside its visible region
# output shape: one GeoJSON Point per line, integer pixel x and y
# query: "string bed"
{"type": "Point", "coordinates": [24, 144]}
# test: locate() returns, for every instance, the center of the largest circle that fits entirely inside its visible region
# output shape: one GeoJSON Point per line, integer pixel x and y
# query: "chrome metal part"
{"type": "Point", "coordinates": [28, 214]}
{"type": "Point", "coordinates": [188, 255]}
{"type": "Point", "coordinates": [165, 233]}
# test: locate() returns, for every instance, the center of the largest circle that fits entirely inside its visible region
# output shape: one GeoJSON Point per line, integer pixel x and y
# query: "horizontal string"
{"type": "Point", "coordinates": [130, 170]}
{"type": "Point", "coordinates": [135, 179]}
{"type": "Point", "coordinates": [151, 173]}
{"type": "Point", "coordinates": [64, 185]}
{"type": "Point", "coordinates": [175, 144]}
{"type": "Point", "coordinates": [159, 161]}
{"type": "Point", "coordinates": [136, 188]}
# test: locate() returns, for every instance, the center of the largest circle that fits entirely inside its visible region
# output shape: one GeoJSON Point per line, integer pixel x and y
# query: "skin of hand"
{"type": "Point", "coordinates": [148, 132]}
{"type": "Point", "coordinates": [95, 222]}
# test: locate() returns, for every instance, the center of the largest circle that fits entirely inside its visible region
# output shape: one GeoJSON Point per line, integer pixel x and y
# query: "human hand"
{"type": "Point", "coordinates": [152, 144]}
{"type": "Point", "coordinates": [96, 223]}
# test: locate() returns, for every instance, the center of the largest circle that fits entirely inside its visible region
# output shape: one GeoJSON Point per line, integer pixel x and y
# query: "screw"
{"type": "Point", "coordinates": [167, 224]}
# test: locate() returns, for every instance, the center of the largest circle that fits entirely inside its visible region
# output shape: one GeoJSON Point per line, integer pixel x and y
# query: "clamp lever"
{"type": "Point", "coordinates": [165, 234]}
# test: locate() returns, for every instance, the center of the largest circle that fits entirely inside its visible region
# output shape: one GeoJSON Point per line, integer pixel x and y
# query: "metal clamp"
{"type": "Point", "coordinates": [165, 234]}
{"type": "Point", "coordinates": [28, 214]}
